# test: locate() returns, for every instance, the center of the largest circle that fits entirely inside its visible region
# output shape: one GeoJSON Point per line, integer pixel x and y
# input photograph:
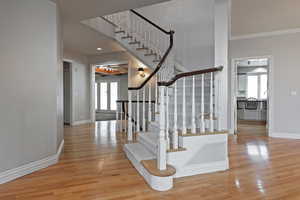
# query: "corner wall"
{"type": "Point", "coordinates": [285, 51]}
{"type": "Point", "coordinates": [28, 82]}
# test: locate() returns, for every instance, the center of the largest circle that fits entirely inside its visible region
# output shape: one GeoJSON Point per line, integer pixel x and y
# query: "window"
{"type": "Point", "coordinates": [257, 86]}
{"type": "Point", "coordinates": [96, 96]}
{"type": "Point", "coordinates": [252, 89]}
{"type": "Point", "coordinates": [103, 96]}
{"type": "Point", "coordinates": [113, 95]}
{"type": "Point", "coordinates": [264, 86]}
{"type": "Point", "coordinates": [106, 95]}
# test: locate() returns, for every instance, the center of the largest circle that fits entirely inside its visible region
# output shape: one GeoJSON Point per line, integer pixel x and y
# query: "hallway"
{"type": "Point", "coordinates": [94, 167]}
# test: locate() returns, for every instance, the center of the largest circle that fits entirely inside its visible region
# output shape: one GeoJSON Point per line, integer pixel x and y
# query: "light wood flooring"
{"type": "Point", "coordinates": [94, 167]}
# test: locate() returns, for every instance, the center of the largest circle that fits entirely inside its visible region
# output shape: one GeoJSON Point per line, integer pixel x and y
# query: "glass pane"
{"type": "Point", "coordinates": [264, 86]}
{"type": "Point", "coordinates": [113, 95]}
{"type": "Point", "coordinates": [252, 88]}
{"type": "Point", "coordinates": [96, 96]}
{"type": "Point", "coordinates": [103, 96]}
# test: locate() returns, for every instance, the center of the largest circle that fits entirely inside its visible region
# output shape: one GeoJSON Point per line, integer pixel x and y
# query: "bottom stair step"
{"type": "Point", "coordinates": [139, 152]}
{"type": "Point", "coordinates": [144, 162]}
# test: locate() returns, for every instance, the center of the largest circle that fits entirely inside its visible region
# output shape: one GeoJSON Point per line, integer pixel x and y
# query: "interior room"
{"type": "Point", "coordinates": [252, 95]}
{"type": "Point", "coordinates": [111, 82]}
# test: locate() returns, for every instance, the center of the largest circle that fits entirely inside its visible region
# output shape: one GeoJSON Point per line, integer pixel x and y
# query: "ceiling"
{"type": "Point", "coordinates": [80, 38]}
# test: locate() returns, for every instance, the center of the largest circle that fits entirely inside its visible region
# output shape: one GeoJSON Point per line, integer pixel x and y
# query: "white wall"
{"type": "Point", "coordinates": [193, 22]}
{"type": "Point", "coordinates": [285, 50]}
{"type": "Point", "coordinates": [80, 86]}
{"type": "Point", "coordinates": [258, 16]}
{"type": "Point", "coordinates": [28, 82]}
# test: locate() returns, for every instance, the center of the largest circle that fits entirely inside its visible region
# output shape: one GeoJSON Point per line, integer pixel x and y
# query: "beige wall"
{"type": "Point", "coordinates": [28, 82]}
{"type": "Point", "coordinates": [256, 16]}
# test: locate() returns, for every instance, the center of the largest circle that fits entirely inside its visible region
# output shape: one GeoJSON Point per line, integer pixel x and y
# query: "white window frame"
{"type": "Point", "coordinates": [108, 95]}
{"type": "Point", "coordinates": [258, 83]}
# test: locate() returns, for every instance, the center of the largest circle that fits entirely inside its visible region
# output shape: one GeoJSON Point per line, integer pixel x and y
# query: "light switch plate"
{"type": "Point", "coordinates": [293, 93]}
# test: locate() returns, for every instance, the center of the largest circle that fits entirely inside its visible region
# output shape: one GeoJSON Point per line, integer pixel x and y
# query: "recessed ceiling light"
{"type": "Point", "coordinates": [99, 49]}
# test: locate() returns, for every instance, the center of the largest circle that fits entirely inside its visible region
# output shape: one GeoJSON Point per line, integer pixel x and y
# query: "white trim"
{"type": "Point", "coordinates": [270, 117]}
{"type": "Point", "coordinates": [266, 34]}
{"type": "Point", "coordinates": [286, 135]}
{"type": "Point", "coordinates": [29, 168]}
{"type": "Point", "coordinates": [81, 122]}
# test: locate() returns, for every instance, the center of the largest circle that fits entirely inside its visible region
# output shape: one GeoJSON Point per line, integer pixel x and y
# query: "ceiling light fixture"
{"type": "Point", "coordinates": [99, 49]}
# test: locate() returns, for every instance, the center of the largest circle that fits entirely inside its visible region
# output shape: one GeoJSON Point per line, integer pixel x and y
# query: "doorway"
{"type": "Point", "coordinates": [67, 90]}
{"type": "Point", "coordinates": [251, 96]}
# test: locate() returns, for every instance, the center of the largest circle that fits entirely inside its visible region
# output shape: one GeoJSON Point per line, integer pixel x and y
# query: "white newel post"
{"type": "Point", "coordinates": [130, 136]}
{"type": "Point", "coordinates": [167, 118]}
{"type": "Point", "coordinates": [184, 131]}
{"type": "Point", "coordinates": [162, 146]}
{"type": "Point", "coordinates": [211, 103]}
{"type": "Point", "coordinates": [149, 104]}
{"type": "Point", "coordinates": [202, 122]}
{"type": "Point", "coordinates": [144, 109]}
{"type": "Point", "coordinates": [193, 107]}
{"type": "Point", "coordinates": [175, 132]}
{"type": "Point", "coordinates": [138, 111]}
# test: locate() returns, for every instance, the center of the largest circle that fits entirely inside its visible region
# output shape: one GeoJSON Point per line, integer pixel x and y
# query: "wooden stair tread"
{"type": "Point", "coordinates": [189, 134]}
{"type": "Point", "coordinates": [177, 150]}
{"type": "Point", "coordinates": [151, 167]}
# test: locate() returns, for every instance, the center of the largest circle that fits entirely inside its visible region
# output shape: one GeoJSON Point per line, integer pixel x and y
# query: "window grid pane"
{"type": "Point", "coordinates": [103, 96]}
{"type": "Point", "coordinates": [113, 95]}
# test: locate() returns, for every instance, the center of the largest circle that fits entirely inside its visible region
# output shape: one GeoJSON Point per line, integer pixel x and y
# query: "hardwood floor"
{"type": "Point", "coordinates": [93, 167]}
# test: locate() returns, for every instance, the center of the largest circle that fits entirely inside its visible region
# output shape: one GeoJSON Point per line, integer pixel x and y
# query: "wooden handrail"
{"type": "Point", "coordinates": [150, 22]}
{"type": "Point", "coordinates": [187, 74]}
{"type": "Point", "coordinates": [171, 34]}
{"type": "Point", "coordinates": [159, 64]}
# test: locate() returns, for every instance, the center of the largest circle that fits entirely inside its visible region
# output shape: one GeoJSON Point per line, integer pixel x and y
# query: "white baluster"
{"type": "Point", "coordinates": [149, 104]}
{"type": "Point", "coordinates": [138, 111]}
{"type": "Point", "coordinates": [121, 124]}
{"type": "Point", "coordinates": [129, 133]}
{"type": "Point", "coordinates": [117, 118]}
{"type": "Point", "coordinates": [167, 118]}
{"type": "Point", "coordinates": [162, 146]}
{"type": "Point", "coordinates": [156, 96]}
{"type": "Point", "coordinates": [144, 109]}
{"type": "Point", "coordinates": [193, 107]}
{"type": "Point", "coordinates": [184, 131]}
{"type": "Point", "coordinates": [202, 124]}
{"type": "Point", "coordinates": [211, 103]}
{"type": "Point", "coordinates": [175, 132]}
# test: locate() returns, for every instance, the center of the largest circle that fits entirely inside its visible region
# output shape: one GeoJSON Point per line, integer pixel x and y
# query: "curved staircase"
{"type": "Point", "coordinates": [180, 135]}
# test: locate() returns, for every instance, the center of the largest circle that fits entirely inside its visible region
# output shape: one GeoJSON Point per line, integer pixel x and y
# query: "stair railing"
{"type": "Point", "coordinates": [157, 42]}
{"type": "Point", "coordinates": [122, 115]}
{"type": "Point", "coordinates": [191, 105]}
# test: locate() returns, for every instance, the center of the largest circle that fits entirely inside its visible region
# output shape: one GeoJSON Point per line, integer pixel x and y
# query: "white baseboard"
{"type": "Point", "coordinates": [81, 122]}
{"type": "Point", "coordinates": [29, 168]}
{"type": "Point", "coordinates": [286, 135]}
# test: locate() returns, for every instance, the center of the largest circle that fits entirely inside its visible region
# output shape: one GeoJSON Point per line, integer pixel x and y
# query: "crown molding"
{"type": "Point", "coordinates": [266, 34]}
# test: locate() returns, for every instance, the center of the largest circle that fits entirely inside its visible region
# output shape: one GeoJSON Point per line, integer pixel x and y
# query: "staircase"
{"type": "Point", "coordinates": [176, 132]}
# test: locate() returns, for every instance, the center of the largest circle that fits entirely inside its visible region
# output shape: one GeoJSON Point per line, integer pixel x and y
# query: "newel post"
{"type": "Point", "coordinates": [162, 145]}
